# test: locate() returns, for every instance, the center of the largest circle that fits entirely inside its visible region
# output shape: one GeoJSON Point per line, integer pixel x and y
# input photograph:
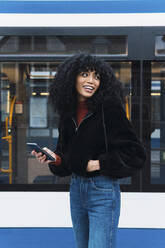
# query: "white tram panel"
{"type": "Point", "coordinates": [83, 20]}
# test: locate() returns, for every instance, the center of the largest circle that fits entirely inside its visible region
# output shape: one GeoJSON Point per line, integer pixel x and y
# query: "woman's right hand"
{"type": "Point", "coordinates": [41, 157]}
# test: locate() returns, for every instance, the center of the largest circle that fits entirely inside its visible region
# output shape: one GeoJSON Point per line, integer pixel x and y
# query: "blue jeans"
{"type": "Point", "coordinates": [95, 210]}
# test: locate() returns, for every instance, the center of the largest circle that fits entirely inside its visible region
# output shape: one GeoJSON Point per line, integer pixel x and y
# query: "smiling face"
{"type": "Point", "coordinates": [87, 84]}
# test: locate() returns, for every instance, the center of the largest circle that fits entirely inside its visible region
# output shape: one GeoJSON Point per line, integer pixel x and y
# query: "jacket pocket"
{"type": "Point", "coordinates": [78, 163]}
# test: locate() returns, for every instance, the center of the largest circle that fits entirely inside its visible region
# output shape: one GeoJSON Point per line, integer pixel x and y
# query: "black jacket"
{"type": "Point", "coordinates": [77, 145]}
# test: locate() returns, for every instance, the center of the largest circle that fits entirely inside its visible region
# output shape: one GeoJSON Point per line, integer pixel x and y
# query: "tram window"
{"type": "Point", "coordinates": [158, 123]}
{"type": "Point", "coordinates": [105, 44]}
{"type": "Point", "coordinates": [122, 71]}
{"type": "Point", "coordinates": [160, 45]}
{"type": "Point", "coordinates": [37, 122]}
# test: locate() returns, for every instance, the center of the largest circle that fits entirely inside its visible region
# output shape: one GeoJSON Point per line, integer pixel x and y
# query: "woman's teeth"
{"type": "Point", "coordinates": [88, 87]}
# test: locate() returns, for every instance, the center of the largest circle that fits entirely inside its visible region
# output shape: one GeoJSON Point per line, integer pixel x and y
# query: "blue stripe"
{"type": "Point", "coordinates": [63, 238]}
{"type": "Point", "coordinates": [104, 6]}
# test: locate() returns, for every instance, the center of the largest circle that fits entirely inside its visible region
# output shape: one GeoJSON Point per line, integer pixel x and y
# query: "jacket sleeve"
{"type": "Point", "coordinates": [126, 153]}
{"type": "Point", "coordinates": [62, 169]}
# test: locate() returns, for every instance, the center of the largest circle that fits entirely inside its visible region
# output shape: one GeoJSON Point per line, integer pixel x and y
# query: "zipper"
{"type": "Point", "coordinates": [77, 126]}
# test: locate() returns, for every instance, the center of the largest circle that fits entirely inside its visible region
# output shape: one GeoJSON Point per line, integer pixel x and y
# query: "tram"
{"type": "Point", "coordinates": [35, 37]}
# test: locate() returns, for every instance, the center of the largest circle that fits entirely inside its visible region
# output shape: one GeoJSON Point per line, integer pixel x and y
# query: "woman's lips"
{"type": "Point", "coordinates": [89, 91]}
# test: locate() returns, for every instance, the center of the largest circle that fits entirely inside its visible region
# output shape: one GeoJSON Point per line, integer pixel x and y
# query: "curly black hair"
{"type": "Point", "coordinates": [63, 94]}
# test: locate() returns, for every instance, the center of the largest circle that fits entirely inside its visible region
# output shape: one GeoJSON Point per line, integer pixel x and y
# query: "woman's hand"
{"type": "Point", "coordinates": [42, 158]}
{"type": "Point", "coordinates": [93, 165]}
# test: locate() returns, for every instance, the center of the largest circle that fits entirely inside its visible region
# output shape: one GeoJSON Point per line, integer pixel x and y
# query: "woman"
{"type": "Point", "coordinates": [96, 145]}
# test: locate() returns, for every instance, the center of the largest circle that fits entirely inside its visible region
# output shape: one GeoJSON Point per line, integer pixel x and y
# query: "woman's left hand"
{"type": "Point", "coordinates": [93, 165]}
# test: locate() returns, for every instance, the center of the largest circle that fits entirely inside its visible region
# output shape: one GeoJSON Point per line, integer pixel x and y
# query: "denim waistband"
{"type": "Point", "coordinates": [96, 177]}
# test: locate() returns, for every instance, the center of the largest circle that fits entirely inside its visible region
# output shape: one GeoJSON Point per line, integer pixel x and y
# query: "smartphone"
{"type": "Point", "coordinates": [37, 148]}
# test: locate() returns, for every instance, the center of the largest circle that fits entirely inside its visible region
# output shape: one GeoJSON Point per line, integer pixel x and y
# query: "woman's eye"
{"type": "Point", "coordinates": [84, 74]}
{"type": "Point", "coordinates": [97, 76]}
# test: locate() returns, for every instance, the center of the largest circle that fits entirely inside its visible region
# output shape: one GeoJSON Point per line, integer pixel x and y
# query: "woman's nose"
{"type": "Point", "coordinates": [90, 79]}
